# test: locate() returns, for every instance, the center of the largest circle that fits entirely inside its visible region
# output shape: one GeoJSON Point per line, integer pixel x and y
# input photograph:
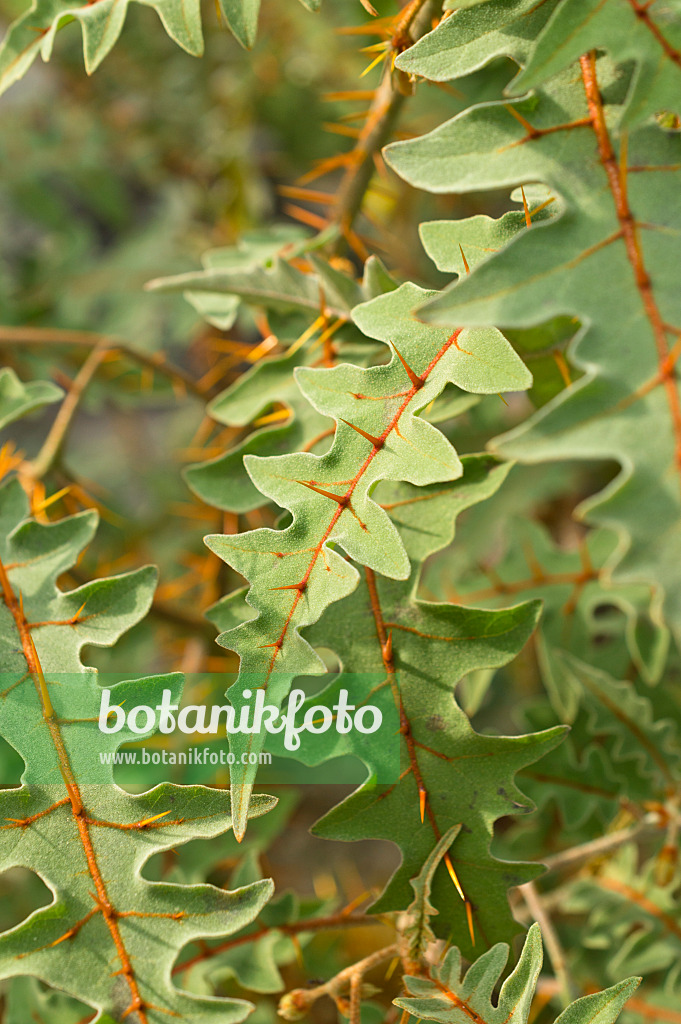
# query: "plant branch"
{"type": "Point", "coordinates": [295, 1004]}
{"type": "Point", "coordinates": [340, 920]}
{"type": "Point", "coordinates": [382, 117]}
{"type": "Point", "coordinates": [575, 855]}
{"type": "Point", "coordinates": [552, 942]}
{"type": "Point", "coordinates": [90, 339]}
{"type": "Point", "coordinates": [54, 441]}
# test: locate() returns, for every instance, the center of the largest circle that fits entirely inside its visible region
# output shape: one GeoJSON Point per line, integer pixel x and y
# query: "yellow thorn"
{"type": "Point", "coordinates": [502, 398]}
{"type": "Point", "coordinates": [272, 417]}
{"type": "Point", "coordinates": [46, 502]}
{"type": "Point", "coordinates": [311, 330]}
{"type": "Point", "coordinates": [391, 968]}
{"type": "Point", "coordinates": [299, 952]}
{"type": "Point", "coordinates": [465, 261]}
{"type": "Point", "coordinates": [373, 64]}
{"type": "Point", "coordinates": [326, 334]}
{"type": "Point", "coordinates": [563, 368]}
{"type": "Point", "coordinates": [265, 346]}
{"type": "Point", "coordinates": [413, 377]}
{"type": "Point", "coordinates": [453, 876]}
{"type": "Point", "coordinates": [148, 821]}
{"type": "Point", "coordinates": [75, 617]}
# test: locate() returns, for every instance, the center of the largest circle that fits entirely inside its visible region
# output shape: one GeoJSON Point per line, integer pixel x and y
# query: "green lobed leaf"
{"type": "Point", "coordinates": [466, 777]}
{"type": "Point", "coordinates": [648, 34]}
{"type": "Point", "coordinates": [450, 998]}
{"type": "Point", "coordinates": [471, 37]}
{"type": "Point", "coordinates": [34, 32]}
{"type": "Point", "coordinates": [68, 822]}
{"type": "Point", "coordinates": [557, 269]}
{"type": "Point", "coordinates": [383, 402]}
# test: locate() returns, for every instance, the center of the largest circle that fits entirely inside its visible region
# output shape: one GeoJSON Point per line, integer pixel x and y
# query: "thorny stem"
{"type": "Point", "coordinates": [90, 339]}
{"type": "Point", "coordinates": [553, 945]}
{"type": "Point", "coordinates": [629, 233]}
{"type": "Point", "coordinates": [383, 114]}
{"type": "Point", "coordinates": [52, 445]}
{"type": "Point", "coordinates": [295, 1004]}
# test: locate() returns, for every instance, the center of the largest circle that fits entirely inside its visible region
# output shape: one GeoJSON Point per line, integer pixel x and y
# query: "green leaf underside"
{"type": "Point", "coordinates": [68, 822]}
{"type": "Point", "coordinates": [34, 32]}
{"type": "Point", "coordinates": [649, 34]}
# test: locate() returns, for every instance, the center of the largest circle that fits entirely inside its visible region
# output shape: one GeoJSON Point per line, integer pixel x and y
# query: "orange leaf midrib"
{"type": "Point", "coordinates": [346, 498]}
{"type": "Point", "coordinates": [81, 820]}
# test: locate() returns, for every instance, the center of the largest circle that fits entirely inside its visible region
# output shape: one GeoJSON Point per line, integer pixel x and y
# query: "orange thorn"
{"type": "Point", "coordinates": [469, 918]}
{"type": "Point", "coordinates": [414, 378]}
{"type": "Point", "coordinates": [341, 499]}
{"type": "Point", "coordinates": [377, 442]}
{"type": "Point", "coordinates": [563, 368]}
{"type": "Point", "coordinates": [422, 803]}
{"type": "Point", "coordinates": [528, 217]}
{"type": "Point", "coordinates": [292, 586]}
{"type": "Point", "coordinates": [75, 617]}
{"type": "Point", "coordinates": [465, 261]}
{"type": "Point", "coordinates": [387, 647]}
{"type": "Point", "coordinates": [453, 876]}
{"type": "Point", "coordinates": [298, 952]}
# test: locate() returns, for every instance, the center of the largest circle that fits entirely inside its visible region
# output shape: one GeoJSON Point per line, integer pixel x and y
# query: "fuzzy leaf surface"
{"type": "Point", "coordinates": [626, 348]}
{"type": "Point", "coordinates": [450, 998]}
{"type": "Point", "coordinates": [68, 822]}
{"type": "Point", "coordinates": [465, 778]}
{"type": "Point", "coordinates": [296, 573]}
